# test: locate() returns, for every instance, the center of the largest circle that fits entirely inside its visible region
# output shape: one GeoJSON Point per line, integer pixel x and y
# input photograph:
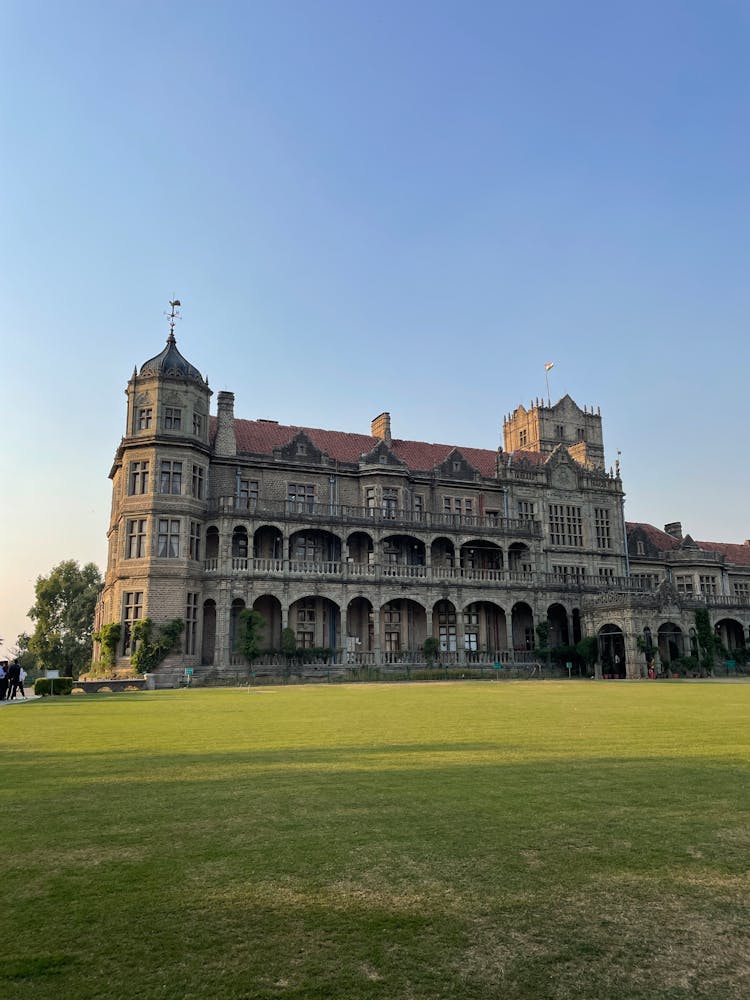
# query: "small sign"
{"type": "Point", "coordinates": [731, 664]}
{"type": "Point", "coordinates": [53, 674]}
{"type": "Point", "coordinates": [497, 666]}
{"type": "Point", "coordinates": [188, 671]}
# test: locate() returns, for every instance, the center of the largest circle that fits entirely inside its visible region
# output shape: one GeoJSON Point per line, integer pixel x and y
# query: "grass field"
{"type": "Point", "coordinates": [507, 840]}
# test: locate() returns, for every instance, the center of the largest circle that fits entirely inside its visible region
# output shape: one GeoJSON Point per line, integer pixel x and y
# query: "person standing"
{"type": "Point", "coordinates": [14, 672]}
{"type": "Point", "coordinates": [21, 679]}
{"type": "Point", "coordinates": [3, 679]}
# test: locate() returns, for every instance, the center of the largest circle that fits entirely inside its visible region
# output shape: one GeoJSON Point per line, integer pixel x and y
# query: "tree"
{"type": "Point", "coordinates": [64, 617]}
{"type": "Point", "coordinates": [708, 642]}
{"type": "Point", "coordinates": [588, 649]}
{"type": "Point", "coordinates": [23, 654]}
{"type": "Point", "coordinates": [431, 649]}
{"type": "Point", "coordinates": [251, 627]}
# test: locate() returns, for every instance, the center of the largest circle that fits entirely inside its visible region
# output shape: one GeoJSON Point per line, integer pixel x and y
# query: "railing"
{"type": "Point", "coordinates": [347, 514]}
{"type": "Point", "coordinates": [342, 659]}
{"type": "Point", "coordinates": [343, 571]}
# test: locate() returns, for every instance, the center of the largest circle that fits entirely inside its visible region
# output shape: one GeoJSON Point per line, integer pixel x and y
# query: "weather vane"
{"type": "Point", "coordinates": [173, 315]}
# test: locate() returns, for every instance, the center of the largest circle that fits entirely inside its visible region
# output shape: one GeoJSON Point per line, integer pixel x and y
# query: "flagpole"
{"type": "Point", "coordinates": [546, 379]}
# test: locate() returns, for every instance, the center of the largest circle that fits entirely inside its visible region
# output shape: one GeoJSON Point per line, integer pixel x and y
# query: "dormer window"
{"type": "Point", "coordinates": [640, 548]}
{"type": "Point", "coordinates": [456, 466]}
{"type": "Point", "coordinates": [172, 418]}
{"type": "Point", "coordinates": [144, 418]}
{"type": "Point", "coordinates": [301, 448]}
{"type": "Point", "coordinates": [383, 459]}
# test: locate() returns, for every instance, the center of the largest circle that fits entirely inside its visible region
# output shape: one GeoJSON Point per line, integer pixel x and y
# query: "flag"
{"type": "Point", "coordinates": [549, 365]}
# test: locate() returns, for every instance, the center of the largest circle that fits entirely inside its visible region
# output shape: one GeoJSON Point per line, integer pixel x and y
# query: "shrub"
{"type": "Point", "coordinates": [44, 685]}
{"type": "Point", "coordinates": [148, 653]}
{"type": "Point", "coordinates": [430, 648]}
{"type": "Point", "coordinates": [108, 637]}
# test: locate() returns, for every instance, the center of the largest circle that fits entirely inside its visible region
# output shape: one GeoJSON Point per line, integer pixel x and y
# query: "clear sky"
{"type": "Point", "coordinates": [406, 205]}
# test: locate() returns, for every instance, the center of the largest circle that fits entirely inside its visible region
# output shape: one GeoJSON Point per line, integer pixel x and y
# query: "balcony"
{"type": "Point", "coordinates": [341, 572]}
{"type": "Point", "coordinates": [346, 515]}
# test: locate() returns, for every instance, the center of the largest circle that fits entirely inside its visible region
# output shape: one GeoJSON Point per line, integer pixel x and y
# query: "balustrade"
{"type": "Point", "coordinates": [309, 511]}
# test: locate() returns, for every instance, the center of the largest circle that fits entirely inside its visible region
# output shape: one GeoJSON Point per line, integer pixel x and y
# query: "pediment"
{"type": "Point", "coordinates": [299, 449]}
{"type": "Point", "coordinates": [455, 466]}
{"type": "Point", "coordinates": [381, 454]}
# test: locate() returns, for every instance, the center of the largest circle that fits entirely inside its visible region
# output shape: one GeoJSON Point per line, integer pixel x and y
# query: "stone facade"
{"type": "Point", "coordinates": [365, 544]}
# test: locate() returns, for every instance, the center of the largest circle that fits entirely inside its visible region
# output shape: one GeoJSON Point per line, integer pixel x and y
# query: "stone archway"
{"type": "Point", "coordinates": [670, 642]}
{"type": "Point", "coordinates": [522, 625]}
{"type": "Point", "coordinates": [612, 651]}
{"type": "Point", "coordinates": [208, 633]}
{"type": "Point", "coordinates": [270, 607]}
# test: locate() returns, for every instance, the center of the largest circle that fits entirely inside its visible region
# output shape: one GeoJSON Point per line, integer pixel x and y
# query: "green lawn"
{"type": "Point", "coordinates": [405, 842]}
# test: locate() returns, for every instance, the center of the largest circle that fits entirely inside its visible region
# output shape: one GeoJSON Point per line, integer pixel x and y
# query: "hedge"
{"type": "Point", "coordinates": [62, 685]}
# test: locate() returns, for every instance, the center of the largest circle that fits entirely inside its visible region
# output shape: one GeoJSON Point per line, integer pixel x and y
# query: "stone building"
{"type": "Point", "coordinates": [365, 544]}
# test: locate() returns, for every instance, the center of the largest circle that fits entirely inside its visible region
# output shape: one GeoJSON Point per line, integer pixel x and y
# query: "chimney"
{"type": "Point", "coordinates": [225, 443]}
{"type": "Point", "coordinates": [381, 427]}
{"type": "Point", "coordinates": [674, 529]}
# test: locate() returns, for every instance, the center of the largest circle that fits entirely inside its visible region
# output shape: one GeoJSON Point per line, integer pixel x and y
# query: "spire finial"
{"type": "Point", "coordinates": [172, 316]}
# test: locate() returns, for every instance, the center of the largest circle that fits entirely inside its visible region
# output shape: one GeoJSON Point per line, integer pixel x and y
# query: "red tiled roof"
{"type": "Point", "coordinates": [738, 554]}
{"type": "Point", "coordinates": [732, 552]}
{"type": "Point", "coordinates": [260, 437]}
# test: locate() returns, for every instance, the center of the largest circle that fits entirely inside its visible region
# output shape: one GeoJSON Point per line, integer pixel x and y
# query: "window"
{"type": "Point", "coordinates": [390, 502]}
{"type": "Point", "coordinates": [741, 589]}
{"type": "Point", "coordinates": [601, 521]}
{"type": "Point", "coordinates": [191, 624]}
{"type": "Point", "coordinates": [606, 572]}
{"type": "Point", "coordinates": [138, 482]}
{"type": "Point", "coordinates": [447, 627]}
{"type": "Point", "coordinates": [418, 508]}
{"type": "Point", "coordinates": [170, 477]}
{"type": "Point", "coordinates": [565, 525]}
{"type": "Point", "coordinates": [708, 585]}
{"type": "Point", "coordinates": [640, 548]}
{"type": "Point", "coordinates": [471, 631]}
{"type": "Point", "coordinates": [581, 434]}
{"type": "Point", "coordinates": [523, 438]}
{"type": "Point", "coordinates": [132, 610]}
{"type": "Point", "coordinates": [560, 431]}
{"type": "Point", "coordinates": [306, 624]}
{"type": "Point", "coordinates": [458, 506]}
{"type": "Point", "coordinates": [198, 481]}
{"type": "Point", "coordinates": [168, 538]}
{"type": "Point", "coordinates": [392, 628]}
{"type": "Point", "coordinates": [684, 584]}
{"type": "Point", "coordinates": [301, 497]}
{"type": "Point", "coordinates": [306, 548]}
{"type": "Point", "coordinates": [172, 418]}
{"type": "Point", "coordinates": [197, 424]}
{"type": "Point", "coordinates": [646, 581]}
{"type": "Point", "coordinates": [194, 541]}
{"type": "Point", "coordinates": [370, 501]}
{"type": "Point", "coordinates": [525, 510]}
{"type": "Point", "coordinates": [135, 543]}
{"type": "Point", "coordinates": [144, 418]}
{"type": "Point", "coordinates": [248, 494]}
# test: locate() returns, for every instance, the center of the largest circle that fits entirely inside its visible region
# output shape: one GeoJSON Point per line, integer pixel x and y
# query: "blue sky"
{"type": "Point", "coordinates": [407, 206]}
